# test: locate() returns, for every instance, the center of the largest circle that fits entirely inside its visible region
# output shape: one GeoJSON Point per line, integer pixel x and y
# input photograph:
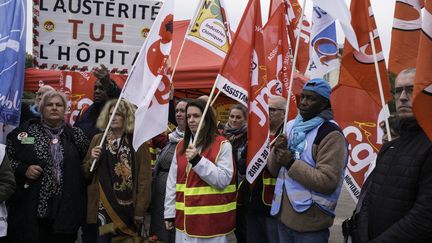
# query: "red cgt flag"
{"type": "Point", "coordinates": [422, 102]}
{"type": "Point", "coordinates": [277, 58]}
{"type": "Point", "coordinates": [405, 35]}
{"type": "Point", "coordinates": [293, 10]}
{"type": "Point", "coordinates": [357, 67]}
{"type": "Point", "coordinates": [242, 78]}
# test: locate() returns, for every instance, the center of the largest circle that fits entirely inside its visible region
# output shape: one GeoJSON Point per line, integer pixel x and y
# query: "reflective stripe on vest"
{"type": "Point", "coordinates": [198, 204]}
{"type": "Point", "coordinates": [300, 197]}
{"type": "Point", "coordinates": [153, 156]}
{"type": "Point", "coordinates": [269, 184]}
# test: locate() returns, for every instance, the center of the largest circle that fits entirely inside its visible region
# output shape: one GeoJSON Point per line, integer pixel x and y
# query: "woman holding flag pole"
{"type": "Point", "coordinates": [201, 186]}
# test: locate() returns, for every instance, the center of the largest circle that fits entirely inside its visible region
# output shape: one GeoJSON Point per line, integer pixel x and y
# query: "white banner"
{"type": "Point", "coordinates": [81, 35]}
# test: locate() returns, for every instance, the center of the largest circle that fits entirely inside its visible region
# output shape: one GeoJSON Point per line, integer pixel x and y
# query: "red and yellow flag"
{"type": "Point", "coordinates": [422, 101]}
{"type": "Point", "coordinates": [357, 67]}
{"type": "Point", "coordinates": [405, 35]}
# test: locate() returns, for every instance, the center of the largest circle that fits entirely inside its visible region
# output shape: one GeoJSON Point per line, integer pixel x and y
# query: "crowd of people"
{"type": "Point", "coordinates": [56, 179]}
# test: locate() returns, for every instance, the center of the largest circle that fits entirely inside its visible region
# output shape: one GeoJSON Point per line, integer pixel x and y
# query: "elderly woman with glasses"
{"type": "Point", "coordinates": [46, 155]}
{"type": "Point", "coordinates": [120, 189]}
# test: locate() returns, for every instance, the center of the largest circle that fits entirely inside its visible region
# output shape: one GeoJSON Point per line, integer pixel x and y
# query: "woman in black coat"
{"type": "Point", "coordinates": [46, 154]}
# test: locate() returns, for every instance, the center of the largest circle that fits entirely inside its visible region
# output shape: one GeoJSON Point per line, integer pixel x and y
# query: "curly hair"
{"type": "Point", "coordinates": [125, 109]}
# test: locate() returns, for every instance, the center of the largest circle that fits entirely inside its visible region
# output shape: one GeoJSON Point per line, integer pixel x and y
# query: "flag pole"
{"type": "Point", "coordinates": [204, 113]}
{"type": "Point", "coordinates": [115, 108]}
{"type": "Point", "coordinates": [215, 98]}
{"type": "Point", "coordinates": [293, 67]}
{"type": "Point", "coordinates": [383, 104]}
{"type": "Point", "coordinates": [184, 41]}
{"type": "Point", "coordinates": [111, 118]}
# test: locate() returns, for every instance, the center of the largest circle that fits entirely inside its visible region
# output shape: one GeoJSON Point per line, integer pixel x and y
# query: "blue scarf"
{"type": "Point", "coordinates": [299, 131]}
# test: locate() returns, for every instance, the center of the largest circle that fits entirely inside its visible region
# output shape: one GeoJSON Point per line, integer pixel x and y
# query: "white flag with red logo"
{"type": "Point", "coordinates": [148, 86]}
{"type": "Point", "coordinates": [249, 87]}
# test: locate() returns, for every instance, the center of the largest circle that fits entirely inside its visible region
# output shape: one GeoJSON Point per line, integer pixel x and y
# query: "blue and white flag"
{"type": "Point", "coordinates": [12, 59]}
{"type": "Point", "coordinates": [323, 50]}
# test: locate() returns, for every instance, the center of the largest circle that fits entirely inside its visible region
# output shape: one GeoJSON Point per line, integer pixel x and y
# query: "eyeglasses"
{"type": "Point", "coordinates": [272, 109]}
{"type": "Point", "coordinates": [408, 90]}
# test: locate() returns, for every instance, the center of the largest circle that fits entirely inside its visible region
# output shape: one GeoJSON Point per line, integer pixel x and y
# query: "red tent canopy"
{"type": "Point", "coordinates": [197, 66]}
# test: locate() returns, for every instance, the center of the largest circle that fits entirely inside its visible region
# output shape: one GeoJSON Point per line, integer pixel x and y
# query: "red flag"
{"type": "Point", "coordinates": [405, 35]}
{"type": "Point", "coordinates": [249, 87]}
{"type": "Point", "coordinates": [360, 127]}
{"type": "Point", "coordinates": [422, 101]}
{"type": "Point", "coordinates": [357, 67]}
{"type": "Point", "coordinates": [277, 58]}
{"type": "Point", "coordinates": [293, 10]}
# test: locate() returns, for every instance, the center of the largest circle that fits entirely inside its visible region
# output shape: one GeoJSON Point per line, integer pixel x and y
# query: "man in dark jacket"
{"type": "Point", "coordinates": [104, 89]}
{"type": "Point", "coordinates": [397, 202]}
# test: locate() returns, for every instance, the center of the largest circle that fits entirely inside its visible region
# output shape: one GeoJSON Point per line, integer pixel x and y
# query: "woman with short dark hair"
{"type": "Point", "coordinates": [201, 193]}
{"type": "Point", "coordinates": [46, 155]}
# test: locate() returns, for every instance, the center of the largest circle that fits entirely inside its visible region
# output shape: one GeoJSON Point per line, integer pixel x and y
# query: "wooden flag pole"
{"type": "Point", "coordinates": [184, 41]}
{"type": "Point", "coordinates": [215, 98]}
{"type": "Point", "coordinates": [293, 67]}
{"type": "Point", "coordinates": [204, 113]}
{"type": "Point", "coordinates": [383, 104]}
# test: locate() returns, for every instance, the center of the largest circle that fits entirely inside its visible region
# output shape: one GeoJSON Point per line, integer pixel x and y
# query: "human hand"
{"type": "Point", "coordinates": [96, 152]}
{"type": "Point", "coordinates": [103, 74]}
{"type": "Point", "coordinates": [33, 172]}
{"type": "Point", "coordinates": [281, 142]}
{"type": "Point", "coordinates": [169, 224]}
{"type": "Point", "coordinates": [191, 152]}
{"type": "Point", "coordinates": [139, 219]}
{"type": "Point", "coordinates": [284, 157]}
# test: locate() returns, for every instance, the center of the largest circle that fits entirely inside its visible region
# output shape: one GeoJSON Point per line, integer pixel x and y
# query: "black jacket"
{"type": "Point", "coordinates": [67, 211]}
{"type": "Point", "coordinates": [398, 203]}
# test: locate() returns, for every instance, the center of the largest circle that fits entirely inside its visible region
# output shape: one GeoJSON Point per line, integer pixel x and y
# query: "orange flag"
{"type": "Point", "coordinates": [357, 67]}
{"type": "Point", "coordinates": [277, 58]}
{"type": "Point", "coordinates": [242, 78]}
{"type": "Point", "coordinates": [293, 10]}
{"type": "Point", "coordinates": [422, 103]}
{"type": "Point", "coordinates": [405, 35]}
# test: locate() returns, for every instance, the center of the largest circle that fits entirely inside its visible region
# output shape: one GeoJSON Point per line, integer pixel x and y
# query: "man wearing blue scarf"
{"type": "Point", "coordinates": [309, 162]}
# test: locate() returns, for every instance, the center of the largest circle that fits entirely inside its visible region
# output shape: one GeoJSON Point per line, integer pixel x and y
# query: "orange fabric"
{"type": "Point", "coordinates": [357, 67]}
{"type": "Point", "coordinates": [277, 57]}
{"type": "Point", "coordinates": [294, 10]}
{"type": "Point", "coordinates": [422, 102]}
{"type": "Point", "coordinates": [405, 35]}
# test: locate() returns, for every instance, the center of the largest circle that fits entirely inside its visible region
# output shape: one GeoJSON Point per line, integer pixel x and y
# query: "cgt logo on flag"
{"type": "Point", "coordinates": [159, 53]}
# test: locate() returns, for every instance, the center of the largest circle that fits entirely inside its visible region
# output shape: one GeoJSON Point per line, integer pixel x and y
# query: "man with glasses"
{"type": "Point", "coordinates": [395, 205]}
{"type": "Point", "coordinates": [257, 198]}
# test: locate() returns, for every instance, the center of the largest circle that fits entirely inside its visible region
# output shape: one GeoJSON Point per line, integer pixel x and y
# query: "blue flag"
{"type": "Point", "coordinates": [12, 59]}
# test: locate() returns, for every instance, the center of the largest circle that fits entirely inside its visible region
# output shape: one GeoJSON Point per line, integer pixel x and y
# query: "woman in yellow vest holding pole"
{"type": "Point", "coordinates": [200, 197]}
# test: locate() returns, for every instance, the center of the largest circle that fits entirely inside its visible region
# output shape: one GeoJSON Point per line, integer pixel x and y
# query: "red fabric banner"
{"type": "Point", "coordinates": [357, 67]}
{"type": "Point", "coordinates": [422, 101]}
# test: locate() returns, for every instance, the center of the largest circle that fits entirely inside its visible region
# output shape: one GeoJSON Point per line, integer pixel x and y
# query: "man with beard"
{"type": "Point", "coordinates": [104, 89]}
